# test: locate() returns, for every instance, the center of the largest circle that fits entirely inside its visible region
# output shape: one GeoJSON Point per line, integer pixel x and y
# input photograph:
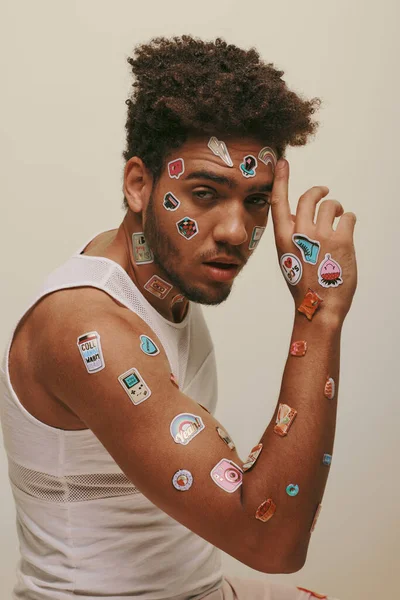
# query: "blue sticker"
{"type": "Point", "coordinates": [184, 427]}
{"type": "Point", "coordinates": [327, 459]}
{"type": "Point", "coordinates": [309, 248]}
{"type": "Point", "coordinates": [148, 346]}
{"type": "Point", "coordinates": [292, 489]}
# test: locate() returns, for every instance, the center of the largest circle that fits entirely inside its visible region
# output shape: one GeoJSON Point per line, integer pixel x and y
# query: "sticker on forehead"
{"type": "Point", "coordinates": [292, 268]}
{"type": "Point", "coordinates": [148, 346]}
{"type": "Point", "coordinates": [256, 237]}
{"type": "Point", "coordinates": [184, 427]}
{"type": "Point", "coordinates": [309, 248]}
{"type": "Point", "coordinates": [268, 157]}
{"type": "Point", "coordinates": [187, 227]}
{"type": "Point", "coordinates": [158, 287]}
{"type": "Point", "coordinates": [171, 202]}
{"type": "Point", "coordinates": [90, 348]}
{"type": "Point", "coordinates": [141, 250]}
{"type": "Point", "coordinates": [219, 149]}
{"type": "Point", "coordinates": [249, 166]}
{"type": "Point", "coordinates": [329, 272]}
{"type": "Point", "coordinates": [176, 168]}
{"type": "Point", "coordinates": [134, 386]}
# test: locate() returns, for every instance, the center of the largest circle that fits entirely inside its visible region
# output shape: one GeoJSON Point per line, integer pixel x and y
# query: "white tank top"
{"type": "Point", "coordinates": [85, 530]}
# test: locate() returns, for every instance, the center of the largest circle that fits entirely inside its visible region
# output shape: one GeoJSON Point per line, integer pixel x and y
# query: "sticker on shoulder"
{"type": "Point", "coordinates": [90, 348]}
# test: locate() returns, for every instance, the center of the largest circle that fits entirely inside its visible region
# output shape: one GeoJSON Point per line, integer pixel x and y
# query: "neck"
{"type": "Point", "coordinates": [137, 260]}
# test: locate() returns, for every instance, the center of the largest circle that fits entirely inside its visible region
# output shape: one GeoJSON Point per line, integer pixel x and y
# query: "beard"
{"type": "Point", "coordinates": [168, 258]}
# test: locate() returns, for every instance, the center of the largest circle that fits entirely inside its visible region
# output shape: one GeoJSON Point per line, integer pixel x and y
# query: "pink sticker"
{"type": "Point", "coordinates": [227, 475]}
{"type": "Point", "coordinates": [176, 168]}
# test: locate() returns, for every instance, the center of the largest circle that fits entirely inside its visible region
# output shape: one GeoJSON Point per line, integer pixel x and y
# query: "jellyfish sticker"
{"type": "Point", "coordinates": [329, 273]}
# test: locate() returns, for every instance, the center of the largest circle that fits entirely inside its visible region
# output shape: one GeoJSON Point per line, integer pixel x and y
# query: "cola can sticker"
{"type": "Point", "coordinates": [227, 475]}
{"type": "Point", "coordinates": [291, 267]}
{"type": "Point", "coordinates": [182, 480]}
{"type": "Point", "coordinates": [90, 348]}
{"type": "Point", "coordinates": [141, 251]}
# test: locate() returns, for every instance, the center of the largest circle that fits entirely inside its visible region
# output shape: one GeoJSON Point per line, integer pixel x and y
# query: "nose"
{"type": "Point", "coordinates": [231, 225]}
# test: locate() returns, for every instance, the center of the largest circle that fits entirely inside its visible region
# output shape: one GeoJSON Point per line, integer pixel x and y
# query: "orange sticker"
{"type": "Point", "coordinates": [298, 348]}
{"type": "Point", "coordinates": [312, 594]}
{"type": "Point", "coordinates": [284, 419]}
{"type": "Point", "coordinates": [329, 391]}
{"type": "Point", "coordinates": [315, 517]}
{"type": "Point", "coordinates": [266, 510]}
{"type": "Point", "coordinates": [251, 459]}
{"type": "Point", "coordinates": [311, 302]}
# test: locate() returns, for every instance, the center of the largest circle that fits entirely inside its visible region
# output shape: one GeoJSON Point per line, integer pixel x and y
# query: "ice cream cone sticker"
{"type": "Point", "coordinates": [329, 272]}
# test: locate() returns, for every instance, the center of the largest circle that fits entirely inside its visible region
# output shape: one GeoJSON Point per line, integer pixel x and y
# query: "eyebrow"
{"type": "Point", "coordinates": [222, 180]}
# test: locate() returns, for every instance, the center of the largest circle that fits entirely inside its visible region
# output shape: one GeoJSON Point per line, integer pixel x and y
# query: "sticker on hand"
{"type": "Point", "coordinates": [329, 272]}
{"type": "Point", "coordinates": [292, 268]}
{"type": "Point", "coordinates": [309, 248]}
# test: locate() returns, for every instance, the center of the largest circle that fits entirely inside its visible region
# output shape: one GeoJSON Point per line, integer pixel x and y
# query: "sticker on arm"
{"type": "Point", "coordinates": [266, 510]}
{"type": "Point", "coordinates": [90, 349]}
{"type": "Point", "coordinates": [284, 419]}
{"type": "Point", "coordinates": [184, 427]}
{"type": "Point", "coordinates": [133, 384]}
{"type": "Point", "coordinates": [251, 459]}
{"type": "Point", "coordinates": [227, 475]}
{"type": "Point", "coordinates": [311, 302]}
{"type": "Point", "coordinates": [292, 268]}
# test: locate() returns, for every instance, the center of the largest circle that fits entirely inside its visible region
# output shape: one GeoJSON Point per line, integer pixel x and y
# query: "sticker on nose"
{"type": "Point", "coordinates": [249, 166]}
{"type": "Point", "coordinates": [187, 227]}
{"type": "Point", "coordinates": [171, 202]}
{"type": "Point", "coordinates": [268, 157]}
{"type": "Point", "coordinates": [256, 237]}
{"type": "Point", "coordinates": [176, 168]}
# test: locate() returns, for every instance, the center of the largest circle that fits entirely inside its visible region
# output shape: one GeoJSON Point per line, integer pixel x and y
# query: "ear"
{"type": "Point", "coordinates": [138, 183]}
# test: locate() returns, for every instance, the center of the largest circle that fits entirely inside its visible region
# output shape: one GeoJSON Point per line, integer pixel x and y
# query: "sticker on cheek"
{"type": "Point", "coordinates": [266, 510]}
{"type": "Point", "coordinates": [292, 268]}
{"type": "Point", "coordinates": [329, 390]}
{"type": "Point", "coordinates": [227, 475]}
{"type": "Point", "coordinates": [148, 346]}
{"type": "Point", "coordinates": [311, 302]}
{"type": "Point", "coordinates": [225, 437]}
{"type": "Point", "coordinates": [219, 149]}
{"type": "Point", "coordinates": [256, 237]}
{"type": "Point", "coordinates": [329, 273]}
{"type": "Point", "coordinates": [249, 166]}
{"type": "Point", "coordinates": [309, 248]}
{"type": "Point", "coordinates": [284, 419]}
{"type": "Point", "coordinates": [158, 287]}
{"type": "Point", "coordinates": [187, 228]}
{"type": "Point", "coordinates": [251, 459]}
{"type": "Point", "coordinates": [184, 427]}
{"type": "Point", "coordinates": [176, 168]}
{"type": "Point", "coordinates": [298, 348]}
{"type": "Point", "coordinates": [317, 512]}
{"type": "Point", "coordinates": [171, 202]}
{"type": "Point", "coordinates": [141, 251]}
{"type": "Point", "coordinates": [182, 480]}
{"type": "Point", "coordinates": [134, 386]}
{"type": "Point", "coordinates": [268, 157]}
{"type": "Point", "coordinates": [174, 380]}
{"type": "Point", "coordinates": [90, 348]}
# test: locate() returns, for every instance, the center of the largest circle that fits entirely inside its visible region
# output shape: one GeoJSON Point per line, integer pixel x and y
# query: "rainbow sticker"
{"type": "Point", "coordinates": [184, 427]}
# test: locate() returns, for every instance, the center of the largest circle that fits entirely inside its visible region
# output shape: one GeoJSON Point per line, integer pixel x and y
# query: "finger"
{"type": "Point", "coordinates": [328, 211]}
{"type": "Point", "coordinates": [346, 224]}
{"type": "Point", "coordinates": [280, 209]}
{"type": "Point", "coordinates": [293, 217]}
{"type": "Point", "coordinates": [306, 207]}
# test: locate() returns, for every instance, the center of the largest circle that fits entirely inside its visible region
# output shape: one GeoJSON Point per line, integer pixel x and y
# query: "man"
{"type": "Point", "coordinates": [125, 484]}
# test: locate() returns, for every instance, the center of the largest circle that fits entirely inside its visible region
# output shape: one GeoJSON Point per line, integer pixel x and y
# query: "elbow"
{"type": "Point", "coordinates": [274, 563]}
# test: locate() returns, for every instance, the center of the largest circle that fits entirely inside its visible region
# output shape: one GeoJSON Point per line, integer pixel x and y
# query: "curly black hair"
{"type": "Point", "coordinates": [185, 86]}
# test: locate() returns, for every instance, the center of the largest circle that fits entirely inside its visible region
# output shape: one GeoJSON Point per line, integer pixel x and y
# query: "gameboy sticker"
{"type": "Point", "coordinates": [148, 346]}
{"type": "Point", "coordinates": [256, 237]}
{"type": "Point", "coordinates": [187, 227]}
{"type": "Point", "coordinates": [292, 268]}
{"type": "Point", "coordinates": [171, 202]}
{"type": "Point", "coordinates": [176, 168]}
{"type": "Point", "coordinates": [134, 386]}
{"type": "Point", "coordinates": [227, 475]}
{"type": "Point", "coordinates": [248, 166]}
{"type": "Point", "coordinates": [184, 427]}
{"type": "Point", "coordinates": [90, 348]}
{"type": "Point", "coordinates": [219, 149]}
{"type": "Point", "coordinates": [141, 251]}
{"type": "Point", "coordinates": [158, 287]}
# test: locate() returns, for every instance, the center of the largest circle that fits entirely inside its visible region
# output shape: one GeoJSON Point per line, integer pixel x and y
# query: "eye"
{"type": "Point", "coordinates": [207, 194]}
{"type": "Point", "coordinates": [259, 200]}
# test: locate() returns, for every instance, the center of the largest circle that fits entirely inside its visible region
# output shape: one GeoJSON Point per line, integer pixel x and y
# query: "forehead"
{"type": "Point", "coordinates": [197, 147]}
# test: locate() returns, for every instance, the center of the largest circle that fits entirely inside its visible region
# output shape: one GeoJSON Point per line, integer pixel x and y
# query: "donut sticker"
{"type": "Point", "coordinates": [219, 149]}
{"type": "Point", "coordinates": [176, 168]}
{"type": "Point", "coordinates": [292, 268]}
{"type": "Point", "coordinates": [329, 272]}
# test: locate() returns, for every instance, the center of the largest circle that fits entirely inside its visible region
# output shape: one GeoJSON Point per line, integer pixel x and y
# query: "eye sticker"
{"type": "Point", "coordinates": [182, 480]}
{"type": "Point", "coordinates": [135, 387]}
{"type": "Point", "coordinates": [292, 268]}
{"type": "Point", "coordinates": [329, 272]}
{"type": "Point", "coordinates": [308, 248]}
{"type": "Point", "coordinates": [141, 251]}
{"type": "Point", "coordinates": [284, 419]}
{"type": "Point", "coordinates": [158, 287]}
{"type": "Point", "coordinates": [184, 427]}
{"type": "Point", "coordinates": [171, 202]}
{"type": "Point", "coordinates": [176, 168]}
{"type": "Point", "coordinates": [256, 237]}
{"type": "Point", "coordinates": [148, 346]}
{"type": "Point", "coordinates": [311, 302]}
{"type": "Point", "coordinates": [227, 475]}
{"type": "Point", "coordinates": [268, 157]}
{"type": "Point", "coordinates": [219, 149]}
{"type": "Point", "coordinates": [187, 228]}
{"type": "Point", "coordinates": [248, 166]}
{"type": "Point", "coordinates": [90, 349]}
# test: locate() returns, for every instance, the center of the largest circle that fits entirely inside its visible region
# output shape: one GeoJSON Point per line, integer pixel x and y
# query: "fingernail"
{"type": "Point", "coordinates": [281, 163]}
